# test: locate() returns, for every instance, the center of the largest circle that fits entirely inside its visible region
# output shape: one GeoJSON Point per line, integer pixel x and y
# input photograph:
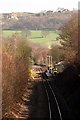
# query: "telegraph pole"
{"type": "Point", "coordinates": [78, 32]}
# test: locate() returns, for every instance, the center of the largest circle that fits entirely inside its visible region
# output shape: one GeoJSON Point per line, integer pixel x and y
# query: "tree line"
{"type": "Point", "coordinates": [69, 37]}
{"type": "Point", "coordinates": [35, 22]}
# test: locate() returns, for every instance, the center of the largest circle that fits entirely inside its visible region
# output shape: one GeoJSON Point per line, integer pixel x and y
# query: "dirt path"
{"type": "Point", "coordinates": [38, 101]}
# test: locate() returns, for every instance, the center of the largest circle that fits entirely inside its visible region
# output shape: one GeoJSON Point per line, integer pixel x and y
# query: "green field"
{"type": "Point", "coordinates": [7, 33]}
{"type": "Point", "coordinates": [36, 36]}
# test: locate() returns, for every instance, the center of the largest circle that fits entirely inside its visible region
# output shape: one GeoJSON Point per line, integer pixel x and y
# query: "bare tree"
{"type": "Point", "coordinates": [44, 33]}
{"type": "Point", "coordinates": [26, 33]}
{"type": "Point", "coordinates": [15, 70]}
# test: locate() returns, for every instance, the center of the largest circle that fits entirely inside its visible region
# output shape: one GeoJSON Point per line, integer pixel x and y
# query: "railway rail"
{"type": "Point", "coordinates": [58, 108]}
{"type": "Point", "coordinates": [54, 109]}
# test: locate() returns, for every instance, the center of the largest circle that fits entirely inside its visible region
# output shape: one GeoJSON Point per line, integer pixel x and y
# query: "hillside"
{"type": "Point", "coordinates": [41, 21]}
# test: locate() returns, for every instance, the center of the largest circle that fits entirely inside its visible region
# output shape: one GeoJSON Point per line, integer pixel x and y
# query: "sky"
{"type": "Point", "coordinates": [7, 6]}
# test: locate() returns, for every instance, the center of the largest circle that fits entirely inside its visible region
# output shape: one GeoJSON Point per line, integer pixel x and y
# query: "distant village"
{"type": "Point", "coordinates": [17, 15]}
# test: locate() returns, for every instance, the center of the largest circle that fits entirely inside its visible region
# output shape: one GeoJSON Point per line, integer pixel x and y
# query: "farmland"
{"type": "Point", "coordinates": [36, 36]}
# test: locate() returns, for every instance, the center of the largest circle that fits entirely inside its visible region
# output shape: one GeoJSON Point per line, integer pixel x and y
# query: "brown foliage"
{"type": "Point", "coordinates": [70, 38]}
{"type": "Point", "coordinates": [69, 32]}
{"type": "Point", "coordinates": [15, 71]}
{"type": "Point", "coordinates": [57, 53]}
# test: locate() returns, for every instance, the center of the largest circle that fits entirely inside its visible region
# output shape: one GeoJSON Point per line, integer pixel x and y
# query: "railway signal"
{"type": "Point", "coordinates": [49, 61]}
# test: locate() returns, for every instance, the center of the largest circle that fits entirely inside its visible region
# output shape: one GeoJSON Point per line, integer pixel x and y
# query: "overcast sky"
{"type": "Point", "coordinates": [7, 6]}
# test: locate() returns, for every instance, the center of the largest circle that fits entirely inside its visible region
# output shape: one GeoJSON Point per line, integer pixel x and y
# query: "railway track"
{"type": "Point", "coordinates": [54, 109]}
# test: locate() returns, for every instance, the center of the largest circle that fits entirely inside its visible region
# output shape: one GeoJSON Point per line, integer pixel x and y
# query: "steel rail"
{"type": "Point", "coordinates": [56, 101]}
{"type": "Point", "coordinates": [48, 102]}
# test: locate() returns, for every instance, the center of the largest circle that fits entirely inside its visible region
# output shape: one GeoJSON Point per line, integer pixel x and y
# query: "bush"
{"type": "Point", "coordinates": [15, 70]}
